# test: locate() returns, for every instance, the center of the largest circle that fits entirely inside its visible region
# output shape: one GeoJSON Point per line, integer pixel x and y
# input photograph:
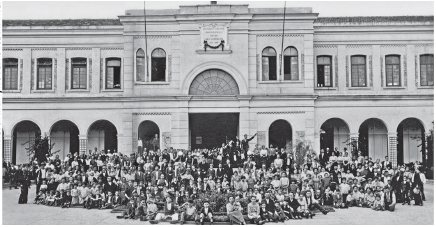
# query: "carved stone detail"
{"type": "Point", "coordinates": [416, 71]}
{"type": "Point", "coordinates": [21, 74]}
{"type": "Point", "coordinates": [257, 67]}
{"type": "Point", "coordinates": [347, 74]}
{"type": "Point", "coordinates": [169, 67]}
{"type": "Point", "coordinates": [405, 71]}
{"type": "Point", "coordinates": [55, 74]}
{"type": "Point", "coordinates": [153, 113]}
{"type": "Point", "coordinates": [67, 65]}
{"type": "Point", "coordinates": [90, 73]}
{"type": "Point", "coordinates": [358, 46]}
{"type": "Point", "coordinates": [12, 49]}
{"type": "Point", "coordinates": [325, 46]}
{"type": "Point", "coordinates": [370, 70]}
{"type": "Point", "coordinates": [302, 66]}
{"type": "Point", "coordinates": [78, 48]}
{"type": "Point", "coordinates": [280, 35]}
{"type": "Point", "coordinates": [336, 71]}
{"type": "Point", "coordinates": [32, 75]}
{"type": "Point", "coordinates": [101, 73]}
{"type": "Point", "coordinates": [381, 71]}
{"type": "Point", "coordinates": [153, 37]}
{"type": "Point", "coordinates": [44, 49]}
{"type": "Point", "coordinates": [283, 112]}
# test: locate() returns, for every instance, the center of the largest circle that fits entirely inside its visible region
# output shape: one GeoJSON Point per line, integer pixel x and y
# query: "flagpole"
{"type": "Point", "coordinates": [145, 38]}
{"type": "Point", "coordinates": [283, 36]}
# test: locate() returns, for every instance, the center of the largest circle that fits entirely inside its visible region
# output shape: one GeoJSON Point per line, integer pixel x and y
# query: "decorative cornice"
{"type": "Point", "coordinates": [154, 37]}
{"type": "Point", "coordinates": [325, 46]}
{"type": "Point", "coordinates": [153, 113]}
{"type": "Point", "coordinates": [12, 49]}
{"type": "Point", "coordinates": [358, 46]}
{"type": "Point", "coordinates": [283, 112]}
{"type": "Point", "coordinates": [44, 49]}
{"type": "Point", "coordinates": [78, 48]}
{"type": "Point", "coordinates": [393, 45]}
{"type": "Point", "coordinates": [280, 35]}
{"type": "Point", "coordinates": [424, 45]}
{"type": "Point", "coordinates": [112, 48]}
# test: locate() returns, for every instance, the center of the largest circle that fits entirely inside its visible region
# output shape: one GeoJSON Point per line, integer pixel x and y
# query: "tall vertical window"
{"type": "Point", "coordinates": [158, 65]}
{"type": "Point", "coordinates": [140, 65]}
{"type": "Point", "coordinates": [44, 74]}
{"type": "Point", "coordinates": [269, 64]}
{"type": "Point", "coordinates": [10, 74]}
{"type": "Point", "coordinates": [393, 70]}
{"type": "Point", "coordinates": [427, 70]}
{"type": "Point", "coordinates": [78, 73]}
{"type": "Point", "coordinates": [113, 73]}
{"type": "Point", "coordinates": [290, 63]}
{"type": "Point", "coordinates": [324, 71]}
{"type": "Point", "coordinates": [358, 71]}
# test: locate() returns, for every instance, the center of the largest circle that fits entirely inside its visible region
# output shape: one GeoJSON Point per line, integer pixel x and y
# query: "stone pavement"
{"type": "Point", "coordinates": [25, 214]}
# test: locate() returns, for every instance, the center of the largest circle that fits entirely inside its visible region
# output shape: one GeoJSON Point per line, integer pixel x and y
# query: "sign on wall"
{"type": "Point", "coordinates": [198, 140]}
{"type": "Point", "coordinates": [214, 34]}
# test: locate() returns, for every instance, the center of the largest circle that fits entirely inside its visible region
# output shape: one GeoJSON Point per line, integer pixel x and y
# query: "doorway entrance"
{"type": "Point", "coordinates": [209, 130]}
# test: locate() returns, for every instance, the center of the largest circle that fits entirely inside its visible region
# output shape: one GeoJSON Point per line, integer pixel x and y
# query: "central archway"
{"type": "Point", "coordinates": [214, 82]}
{"type": "Point", "coordinates": [280, 133]}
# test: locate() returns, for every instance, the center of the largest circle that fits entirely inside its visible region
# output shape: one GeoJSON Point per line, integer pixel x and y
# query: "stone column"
{"type": "Point", "coordinates": [60, 89]}
{"type": "Point", "coordinates": [7, 148]}
{"type": "Point", "coordinates": [392, 148]}
{"type": "Point", "coordinates": [180, 125]}
{"type": "Point", "coordinates": [95, 69]}
{"type": "Point", "coordinates": [126, 138]}
{"type": "Point", "coordinates": [27, 67]}
{"type": "Point", "coordinates": [128, 65]}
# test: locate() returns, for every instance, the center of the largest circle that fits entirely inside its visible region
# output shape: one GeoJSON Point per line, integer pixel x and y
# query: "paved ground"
{"type": "Point", "coordinates": [24, 214]}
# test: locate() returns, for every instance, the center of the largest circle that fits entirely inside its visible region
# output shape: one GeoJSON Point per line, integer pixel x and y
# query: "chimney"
{"type": "Point", "coordinates": [213, 2]}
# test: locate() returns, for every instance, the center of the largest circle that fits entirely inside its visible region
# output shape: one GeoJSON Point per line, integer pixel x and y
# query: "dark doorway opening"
{"type": "Point", "coordinates": [280, 134]}
{"type": "Point", "coordinates": [209, 130]}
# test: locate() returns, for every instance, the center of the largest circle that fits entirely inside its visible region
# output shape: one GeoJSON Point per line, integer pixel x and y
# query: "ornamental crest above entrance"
{"type": "Point", "coordinates": [214, 35]}
{"type": "Point", "coordinates": [214, 82]}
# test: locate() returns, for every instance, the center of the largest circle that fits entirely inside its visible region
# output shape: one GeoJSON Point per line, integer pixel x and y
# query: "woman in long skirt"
{"type": "Point", "coordinates": [234, 211]}
{"type": "Point", "coordinates": [24, 189]}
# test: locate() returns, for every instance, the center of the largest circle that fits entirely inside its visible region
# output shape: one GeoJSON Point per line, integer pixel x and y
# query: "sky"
{"type": "Point", "coordinates": [111, 9]}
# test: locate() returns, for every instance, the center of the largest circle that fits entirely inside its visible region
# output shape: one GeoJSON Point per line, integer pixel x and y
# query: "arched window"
{"type": "Point", "coordinates": [427, 69]}
{"type": "Point", "coordinates": [358, 71]}
{"type": "Point", "coordinates": [269, 64]}
{"type": "Point", "coordinates": [290, 63]}
{"type": "Point", "coordinates": [78, 73]}
{"type": "Point", "coordinates": [393, 70]}
{"type": "Point", "coordinates": [158, 65]}
{"type": "Point", "coordinates": [140, 65]}
{"type": "Point", "coordinates": [324, 71]}
{"type": "Point", "coordinates": [10, 74]}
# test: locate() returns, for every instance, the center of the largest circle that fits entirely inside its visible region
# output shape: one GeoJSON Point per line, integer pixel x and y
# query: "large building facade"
{"type": "Point", "coordinates": [208, 73]}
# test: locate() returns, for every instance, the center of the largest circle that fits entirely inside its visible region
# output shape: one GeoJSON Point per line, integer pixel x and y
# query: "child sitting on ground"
{"type": "Point", "coordinates": [49, 201]}
{"type": "Point", "coordinates": [75, 195]}
{"type": "Point", "coordinates": [40, 198]}
{"type": "Point", "coordinates": [58, 198]}
{"type": "Point", "coordinates": [417, 196]}
{"type": "Point", "coordinates": [66, 199]}
{"type": "Point", "coordinates": [369, 199]}
{"type": "Point", "coordinates": [378, 203]}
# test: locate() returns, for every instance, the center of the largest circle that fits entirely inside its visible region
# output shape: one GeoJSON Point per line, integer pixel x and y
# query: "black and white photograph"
{"type": "Point", "coordinates": [217, 112]}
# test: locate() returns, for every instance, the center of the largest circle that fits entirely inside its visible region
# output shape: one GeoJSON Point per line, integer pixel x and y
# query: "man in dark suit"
{"type": "Point", "coordinates": [220, 172]}
{"type": "Point", "coordinates": [323, 157]}
{"type": "Point", "coordinates": [40, 174]}
{"type": "Point", "coordinates": [139, 175]}
{"type": "Point", "coordinates": [110, 186]}
{"type": "Point", "coordinates": [270, 207]}
{"type": "Point", "coordinates": [228, 170]}
{"type": "Point", "coordinates": [386, 163]}
{"type": "Point", "coordinates": [206, 212]}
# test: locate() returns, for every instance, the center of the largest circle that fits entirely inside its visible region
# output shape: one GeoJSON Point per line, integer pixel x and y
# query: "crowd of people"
{"type": "Point", "coordinates": [158, 185]}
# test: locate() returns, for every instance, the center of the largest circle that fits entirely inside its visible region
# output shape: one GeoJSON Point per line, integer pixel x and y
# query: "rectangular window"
{"type": "Point", "coordinates": [78, 73]}
{"type": "Point", "coordinates": [140, 69]}
{"type": "Point", "coordinates": [324, 72]}
{"type": "Point", "coordinates": [358, 71]}
{"type": "Point", "coordinates": [10, 74]}
{"type": "Point", "coordinates": [393, 71]}
{"type": "Point", "coordinates": [113, 73]}
{"type": "Point", "coordinates": [44, 74]}
{"type": "Point", "coordinates": [427, 70]}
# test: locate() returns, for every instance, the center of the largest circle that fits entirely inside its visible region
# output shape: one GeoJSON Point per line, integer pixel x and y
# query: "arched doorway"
{"type": "Point", "coordinates": [214, 82]}
{"type": "Point", "coordinates": [335, 133]}
{"type": "Point", "coordinates": [411, 141]}
{"type": "Point", "coordinates": [24, 135]}
{"type": "Point", "coordinates": [149, 133]}
{"type": "Point", "coordinates": [373, 139]}
{"type": "Point", "coordinates": [65, 136]}
{"type": "Point", "coordinates": [102, 135]}
{"type": "Point", "coordinates": [280, 133]}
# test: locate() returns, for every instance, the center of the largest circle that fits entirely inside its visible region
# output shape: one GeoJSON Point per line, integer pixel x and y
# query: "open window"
{"type": "Point", "coordinates": [290, 63]}
{"type": "Point", "coordinates": [269, 64]}
{"type": "Point", "coordinates": [324, 71]}
{"type": "Point", "coordinates": [113, 73]}
{"type": "Point", "coordinates": [158, 65]}
{"type": "Point", "coordinates": [393, 74]}
{"type": "Point", "coordinates": [10, 74]}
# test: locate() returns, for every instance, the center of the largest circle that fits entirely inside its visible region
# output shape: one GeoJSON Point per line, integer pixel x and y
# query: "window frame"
{"type": "Point", "coordinates": [386, 70]}
{"type": "Point", "coordinates": [290, 65]}
{"type": "Point", "coordinates": [332, 82]}
{"type": "Point", "coordinates": [351, 71]}
{"type": "Point", "coordinates": [144, 67]}
{"type": "Point", "coordinates": [420, 66]}
{"type": "Point", "coordinates": [37, 74]}
{"type": "Point", "coordinates": [86, 75]}
{"type": "Point", "coordinates": [18, 74]}
{"type": "Point", "coordinates": [151, 65]}
{"type": "Point", "coordinates": [105, 74]}
{"type": "Point", "coordinates": [276, 64]}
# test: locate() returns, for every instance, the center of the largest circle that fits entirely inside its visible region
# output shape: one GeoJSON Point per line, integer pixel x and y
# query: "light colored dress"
{"type": "Point", "coordinates": [234, 215]}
